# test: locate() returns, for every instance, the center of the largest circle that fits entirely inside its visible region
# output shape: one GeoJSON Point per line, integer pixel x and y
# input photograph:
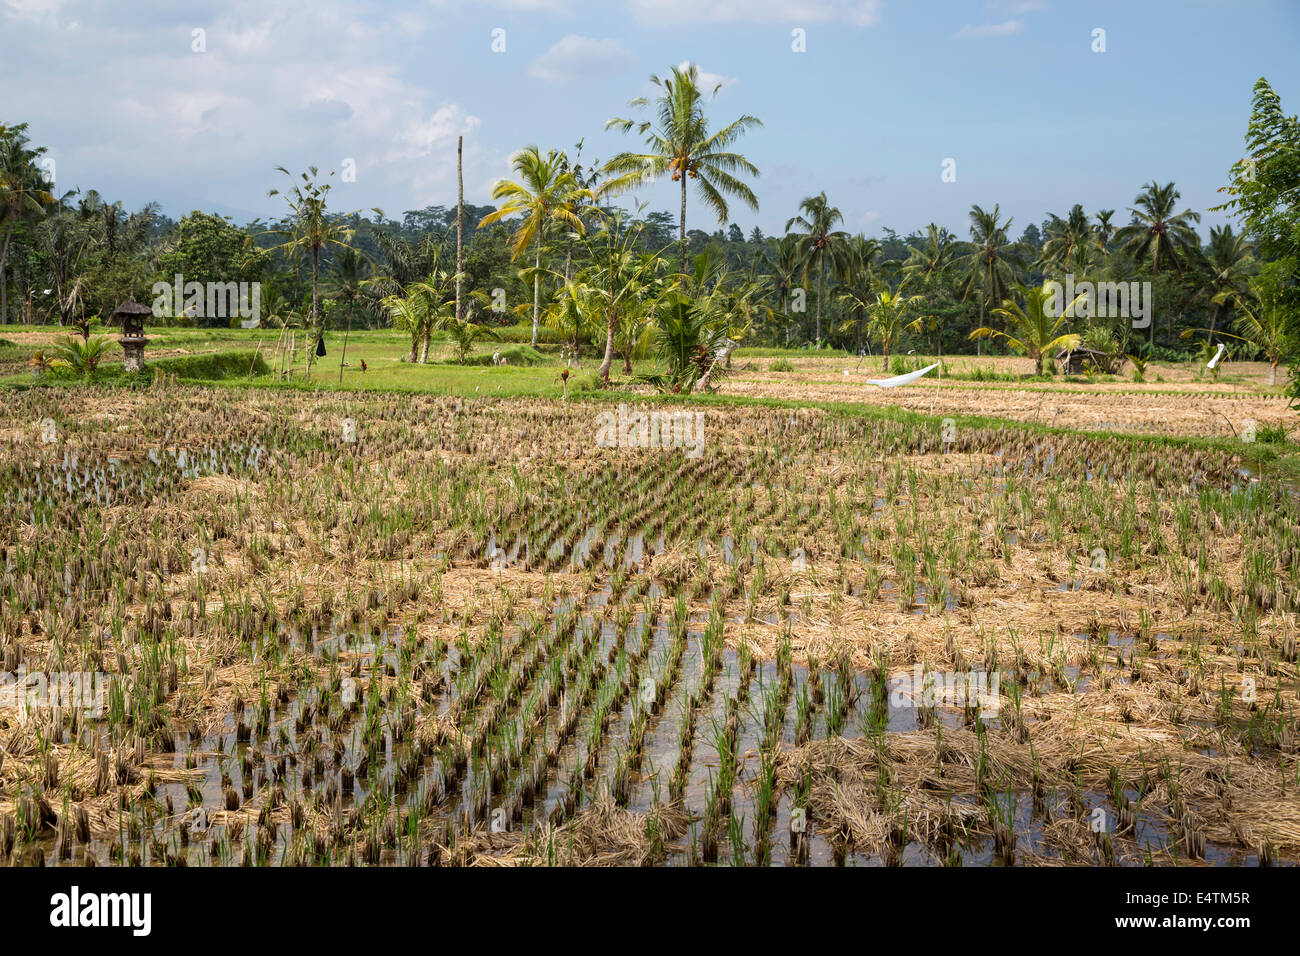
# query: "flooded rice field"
{"type": "Point", "coordinates": [417, 631]}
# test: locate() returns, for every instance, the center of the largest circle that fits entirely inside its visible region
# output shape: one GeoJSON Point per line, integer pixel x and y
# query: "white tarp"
{"type": "Point", "coordinates": [1217, 355]}
{"type": "Point", "coordinates": [907, 379]}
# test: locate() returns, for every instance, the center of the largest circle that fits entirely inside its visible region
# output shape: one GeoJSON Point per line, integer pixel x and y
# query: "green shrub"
{"type": "Point", "coordinates": [1271, 434]}
{"type": "Point", "coordinates": [211, 365]}
{"type": "Point", "coordinates": [781, 365]}
{"type": "Point", "coordinates": [522, 332]}
{"type": "Point", "coordinates": [586, 382]}
{"type": "Point", "coordinates": [513, 354]}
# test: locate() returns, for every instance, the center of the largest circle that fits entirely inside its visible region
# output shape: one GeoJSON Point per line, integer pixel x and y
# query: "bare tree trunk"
{"type": "Point", "coordinates": [1272, 374]}
{"type": "Point", "coordinates": [460, 220]}
{"type": "Point", "coordinates": [821, 281]}
{"type": "Point", "coordinates": [609, 347]}
{"type": "Point", "coordinates": [681, 259]}
{"type": "Point", "coordinates": [537, 272]}
{"type": "Point", "coordinates": [344, 356]}
{"type": "Point", "coordinates": [4, 278]}
{"type": "Point", "coordinates": [315, 306]}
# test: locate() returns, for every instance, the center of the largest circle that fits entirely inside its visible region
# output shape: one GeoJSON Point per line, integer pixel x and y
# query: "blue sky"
{"type": "Point", "coordinates": [1011, 90]}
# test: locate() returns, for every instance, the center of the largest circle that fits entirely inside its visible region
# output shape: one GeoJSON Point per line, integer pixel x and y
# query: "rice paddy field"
{"type": "Point", "coordinates": [348, 627]}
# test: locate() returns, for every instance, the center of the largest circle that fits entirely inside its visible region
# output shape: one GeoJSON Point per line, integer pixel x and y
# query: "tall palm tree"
{"type": "Point", "coordinates": [1105, 229]}
{"type": "Point", "coordinates": [783, 262]}
{"type": "Point", "coordinates": [858, 280]}
{"type": "Point", "coordinates": [680, 143]}
{"type": "Point", "coordinates": [993, 263]}
{"type": "Point", "coordinates": [348, 276]}
{"type": "Point", "coordinates": [1158, 232]}
{"type": "Point", "coordinates": [311, 231]}
{"type": "Point", "coordinates": [932, 260]}
{"type": "Point", "coordinates": [1229, 261]}
{"type": "Point", "coordinates": [22, 193]}
{"type": "Point", "coordinates": [1034, 330]}
{"type": "Point", "coordinates": [821, 240]}
{"type": "Point", "coordinates": [545, 196]}
{"type": "Point", "coordinates": [1066, 238]}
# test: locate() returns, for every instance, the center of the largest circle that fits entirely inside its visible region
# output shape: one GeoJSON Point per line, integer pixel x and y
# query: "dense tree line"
{"type": "Point", "coordinates": [561, 258]}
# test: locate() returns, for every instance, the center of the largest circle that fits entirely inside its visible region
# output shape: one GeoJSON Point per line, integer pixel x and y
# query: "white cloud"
{"type": "Point", "coordinates": [1015, 7]}
{"type": "Point", "coordinates": [1004, 29]}
{"type": "Point", "coordinates": [862, 13]}
{"type": "Point", "coordinates": [33, 10]}
{"type": "Point", "coordinates": [296, 83]}
{"type": "Point", "coordinates": [562, 7]}
{"type": "Point", "coordinates": [709, 81]}
{"type": "Point", "coordinates": [869, 217]}
{"type": "Point", "coordinates": [576, 57]}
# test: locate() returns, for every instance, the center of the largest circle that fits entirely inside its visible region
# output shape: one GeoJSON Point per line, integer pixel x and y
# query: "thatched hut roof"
{"type": "Point", "coordinates": [129, 308]}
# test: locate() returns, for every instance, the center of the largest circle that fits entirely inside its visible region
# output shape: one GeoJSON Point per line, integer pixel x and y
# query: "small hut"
{"type": "Point", "coordinates": [130, 315]}
{"type": "Point", "coordinates": [1075, 361]}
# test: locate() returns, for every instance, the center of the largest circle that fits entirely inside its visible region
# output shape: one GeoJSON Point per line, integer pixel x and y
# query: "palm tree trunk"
{"type": "Point", "coordinates": [609, 347]}
{"type": "Point", "coordinates": [1272, 374]}
{"type": "Point", "coordinates": [315, 306]}
{"type": "Point", "coordinates": [460, 218]}
{"type": "Point", "coordinates": [681, 259]}
{"type": "Point", "coordinates": [821, 279]}
{"type": "Point", "coordinates": [4, 279]}
{"type": "Point", "coordinates": [979, 343]}
{"type": "Point", "coordinates": [344, 356]}
{"type": "Point", "coordinates": [536, 286]}
{"type": "Point", "coordinates": [1214, 322]}
{"type": "Point", "coordinates": [1155, 274]}
{"type": "Point", "coordinates": [424, 345]}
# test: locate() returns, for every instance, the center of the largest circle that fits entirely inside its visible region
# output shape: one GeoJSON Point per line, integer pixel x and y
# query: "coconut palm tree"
{"type": "Point", "coordinates": [784, 264]}
{"type": "Point", "coordinates": [679, 143]}
{"type": "Point", "coordinates": [348, 275]}
{"type": "Point", "coordinates": [546, 195]}
{"type": "Point", "coordinates": [575, 314]}
{"type": "Point", "coordinates": [311, 231]}
{"type": "Point", "coordinates": [22, 193]}
{"type": "Point", "coordinates": [887, 316]}
{"type": "Point", "coordinates": [858, 280]}
{"type": "Point", "coordinates": [993, 262]}
{"type": "Point", "coordinates": [1104, 228]}
{"type": "Point", "coordinates": [1158, 232]}
{"type": "Point", "coordinates": [934, 259]}
{"type": "Point", "coordinates": [1263, 319]}
{"type": "Point", "coordinates": [438, 292]}
{"type": "Point", "coordinates": [1034, 330]}
{"type": "Point", "coordinates": [620, 275]}
{"type": "Point", "coordinates": [1229, 261]}
{"type": "Point", "coordinates": [821, 241]}
{"type": "Point", "coordinates": [1066, 238]}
